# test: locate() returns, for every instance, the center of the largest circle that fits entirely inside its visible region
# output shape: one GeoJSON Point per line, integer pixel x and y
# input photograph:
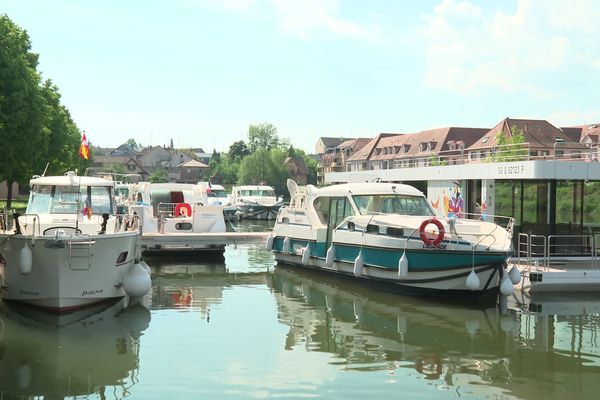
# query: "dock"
{"type": "Point", "coordinates": [199, 241]}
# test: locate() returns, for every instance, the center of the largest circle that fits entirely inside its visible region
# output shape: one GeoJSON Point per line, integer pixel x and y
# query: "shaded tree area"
{"type": "Point", "coordinates": [260, 161]}
{"type": "Point", "coordinates": [35, 129]}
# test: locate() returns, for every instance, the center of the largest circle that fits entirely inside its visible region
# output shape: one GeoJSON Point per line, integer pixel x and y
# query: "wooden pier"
{"type": "Point", "coordinates": [198, 241]}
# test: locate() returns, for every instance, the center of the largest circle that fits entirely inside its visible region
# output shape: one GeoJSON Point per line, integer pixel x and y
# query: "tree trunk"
{"type": "Point", "coordinates": [9, 184]}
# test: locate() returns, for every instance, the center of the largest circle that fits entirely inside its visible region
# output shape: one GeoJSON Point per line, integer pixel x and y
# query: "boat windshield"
{"type": "Point", "coordinates": [258, 192]}
{"type": "Point", "coordinates": [392, 204]}
{"type": "Point", "coordinates": [220, 193]}
{"type": "Point", "coordinates": [47, 199]}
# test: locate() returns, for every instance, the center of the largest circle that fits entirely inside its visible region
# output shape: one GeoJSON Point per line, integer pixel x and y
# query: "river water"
{"type": "Point", "coordinates": [240, 327]}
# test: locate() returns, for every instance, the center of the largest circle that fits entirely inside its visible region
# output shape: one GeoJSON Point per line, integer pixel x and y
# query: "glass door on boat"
{"type": "Point", "coordinates": [339, 209]}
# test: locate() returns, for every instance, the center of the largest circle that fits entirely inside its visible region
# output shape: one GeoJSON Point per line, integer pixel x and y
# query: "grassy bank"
{"type": "Point", "coordinates": [18, 206]}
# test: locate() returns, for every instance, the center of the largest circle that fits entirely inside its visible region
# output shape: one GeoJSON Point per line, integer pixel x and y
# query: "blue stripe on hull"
{"type": "Point", "coordinates": [426, 259]}
{"type": "Point", "coordinates": [489, 294]}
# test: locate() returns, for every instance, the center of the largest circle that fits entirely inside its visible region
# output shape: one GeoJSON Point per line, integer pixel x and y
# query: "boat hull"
{"type": "Point", "coordinates": [260, 212]}
{"type": "Point", "coordinates": [431, 272]}
{"type": "Point", "coordinates": [67, 273]}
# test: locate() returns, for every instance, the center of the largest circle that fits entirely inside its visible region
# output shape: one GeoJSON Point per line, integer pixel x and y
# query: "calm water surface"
{"type": "Point", "coordinates": [241, 328]}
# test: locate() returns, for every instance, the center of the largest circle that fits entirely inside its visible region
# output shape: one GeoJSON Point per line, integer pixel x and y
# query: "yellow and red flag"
{"type": "Point", "coordinates": [84, 148]}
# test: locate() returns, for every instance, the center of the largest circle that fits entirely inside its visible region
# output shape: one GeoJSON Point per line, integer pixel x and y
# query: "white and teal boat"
{"type": "Point", "coordinates": [389, 234]}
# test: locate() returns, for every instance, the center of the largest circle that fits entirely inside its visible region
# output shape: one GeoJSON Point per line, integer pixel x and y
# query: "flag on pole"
{"type": "Point", "coordinates": [84, 148]}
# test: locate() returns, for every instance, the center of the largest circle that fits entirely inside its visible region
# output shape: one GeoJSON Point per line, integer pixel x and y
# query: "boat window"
{"type": "Point", "coordinates": [39, 200]}
{"type": "Point", "coordinates": [217, 193]}
{"type": "Point", "coordinates": [392, 204]}
{"type": "Point", "coordinates": [258, 192]}
{"type": "Point", "coordinates": [48, 199]}
{"type": "Point", "coordinates": [321, 205]}
{"type": "Point", "coordinates": [100, 199]}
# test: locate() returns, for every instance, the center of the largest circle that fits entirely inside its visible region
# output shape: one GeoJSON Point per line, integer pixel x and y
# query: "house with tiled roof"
{"type": "Point", "coordinates": [192, 171]}
{"type": "Point", "coordinates": [542, 141]}
{"type": "Point", "coordinates": [327, 144]}
{"type": "Point", "coordinates": [360, 160]}
{"type": "Point", "coordinates": [588, 134]}
{"type": "Point", "coordinates": [335, 160]}
{"type": "Point", "coordinates": [298, 169]}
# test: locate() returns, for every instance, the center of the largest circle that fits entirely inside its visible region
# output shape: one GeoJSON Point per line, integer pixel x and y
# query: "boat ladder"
{"type": "Point", "coordinates": [80, 248]}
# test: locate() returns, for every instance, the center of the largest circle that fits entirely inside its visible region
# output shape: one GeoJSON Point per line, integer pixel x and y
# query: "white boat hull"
{"type": "Point", "coordinates": [446, 282]}
{"type": "Point", "coordinates": [67, 272]}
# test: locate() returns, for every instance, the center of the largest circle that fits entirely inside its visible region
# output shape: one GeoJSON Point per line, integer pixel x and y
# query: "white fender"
{"type": "Point", "coordinates": [473, 280]}
{"type": "Point", "coordinates": [137, 282]}
{"type": "Point", "coordinates": [472, 326]}
{"type": "Point", "coordinates": [358, 264]}
{"type": "Point", "coordinates": [403, 266]}
{"type": "Point", "coordinates": [514, 275]}
{"type": "Point", "coordinates": [269, 244]}
{"type": "Point", "coordinates": [24, 376]}
{"type": "Point", "coordinates": [330, 258]}
{"type": "Point", "coordinates": [286, 245]}
{"type": "Point", "coordinates": [306, 255]}
{"type": "Point", "coordinates": [25, 260]}
{"type": "Point", "coordinates": [506, 286]}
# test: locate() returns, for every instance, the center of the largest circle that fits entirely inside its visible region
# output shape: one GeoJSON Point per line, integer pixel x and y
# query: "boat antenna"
{"type": "Point", "coordinates": [46, 169]}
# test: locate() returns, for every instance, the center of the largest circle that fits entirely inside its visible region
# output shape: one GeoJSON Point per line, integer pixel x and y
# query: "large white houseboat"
{"type": "Point", "coordinates": [389, 234]}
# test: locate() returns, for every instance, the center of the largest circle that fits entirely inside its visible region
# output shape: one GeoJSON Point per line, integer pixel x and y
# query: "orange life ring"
{"type": "Point", "coordinates": [423, 235]}
{"type": "Point", "coordinates": [183, 210]}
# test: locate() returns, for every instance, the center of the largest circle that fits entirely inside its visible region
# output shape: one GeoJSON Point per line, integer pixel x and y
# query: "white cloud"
{"type": "Point", "coordinates": [470, 51]}
{"type": "Point", "coordinates": [305, 17]}
{"type": "Point", "coordinates": [573, 118]}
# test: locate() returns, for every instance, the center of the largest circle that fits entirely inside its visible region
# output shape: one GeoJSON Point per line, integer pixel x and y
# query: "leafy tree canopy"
{"type": "Point", "coordinates": [262, 136]}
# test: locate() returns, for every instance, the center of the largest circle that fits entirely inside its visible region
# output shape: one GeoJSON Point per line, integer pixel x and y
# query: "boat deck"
{"type": "Point", "coordinates": [568, 275]}
{"type": "Point", "coordinates": [199, 241]}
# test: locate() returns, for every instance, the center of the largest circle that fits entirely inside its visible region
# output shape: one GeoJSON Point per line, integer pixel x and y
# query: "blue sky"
{"type": "Point", "coordinates": [200, 71]}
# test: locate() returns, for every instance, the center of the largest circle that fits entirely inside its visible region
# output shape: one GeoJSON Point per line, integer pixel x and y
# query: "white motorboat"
{"type": "Point", "coordinates": [175, 209]}
{"type": "Point", "coordinates": [256, 202]}
{"type": "Point", "coordinates": [389, 234]}
{"type": "Point", "coordinates": [217, 196]}
{"type": "Point", "coordinates": [70, 249]}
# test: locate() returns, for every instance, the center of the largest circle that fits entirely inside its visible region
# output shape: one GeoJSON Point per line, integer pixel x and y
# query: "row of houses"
{"type": "Point", "coordinates": [180, 165]}
{"type": "Point", "coordinates": [457, 145]}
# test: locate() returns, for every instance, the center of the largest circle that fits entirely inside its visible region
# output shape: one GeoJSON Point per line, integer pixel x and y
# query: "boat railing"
{"type": "Point", "coordinates": [481, 237]}
{"type": "Point", "coordinates": [80, 246]}
{"type": "Point", "coordinates": [3, 221]}
{"type": "Point", "coordinates": [543, 251]}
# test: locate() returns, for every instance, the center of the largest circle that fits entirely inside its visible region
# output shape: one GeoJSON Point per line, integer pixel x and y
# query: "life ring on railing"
{"type": "Point", "coordinates": [183, 210]}
{"type": "Point", "coordinates": [425, 238]}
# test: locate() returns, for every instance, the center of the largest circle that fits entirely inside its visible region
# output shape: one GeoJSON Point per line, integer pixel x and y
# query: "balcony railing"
{"type": "Point", "coordinates": [561, 151]}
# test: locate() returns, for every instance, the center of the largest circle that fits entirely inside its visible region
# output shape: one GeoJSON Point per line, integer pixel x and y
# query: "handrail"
{"type": "Point", "coordinates": [89, 243]}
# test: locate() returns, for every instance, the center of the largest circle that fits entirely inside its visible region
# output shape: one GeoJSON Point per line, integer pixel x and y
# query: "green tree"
{"type": "Point", "coordinates": [132, 144]}
{"type": "Point", "coordinates": [511, 147]}
{"type": "Point", "coordinates": [262, 136]}
{"type": "Point", "coordinates": [24, 141]}
{"type": "Point", "coordinates": [159, 175]}
{"type": "Point", "coordinates": [265, 167]}
{"type": "Point", "coordinates": [238, 150]}
{"type": "Point", "coordinates": [63, 134]}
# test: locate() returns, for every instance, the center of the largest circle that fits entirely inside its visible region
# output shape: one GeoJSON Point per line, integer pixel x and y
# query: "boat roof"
{"type": "Point", "coordinates": [71, 180]}
{"type": "Point", "coordinates": [250, 187]}
{"type": "Point", "coordinates": [168, 186]}
{"type": "Point", "coordinates": [367, 188]}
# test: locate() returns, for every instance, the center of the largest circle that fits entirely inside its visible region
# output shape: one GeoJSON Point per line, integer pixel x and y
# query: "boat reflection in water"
{"type": "Point", "coordinates": [469, 351]}
{"type": "Point", "coordinates": [92, 351]}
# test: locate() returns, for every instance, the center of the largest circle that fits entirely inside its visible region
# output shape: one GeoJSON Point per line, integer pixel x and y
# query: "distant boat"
{"type": "Point", "coordinates": [175, 209]}
{"type": "Point", "coordinates": [217, 196]}
{"type": "Point", "coordinates": [389, 234]}
{"type": "Point", "coordinates": [256, 202]}
{"type": "Point", "coordinates": [70, 249]}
